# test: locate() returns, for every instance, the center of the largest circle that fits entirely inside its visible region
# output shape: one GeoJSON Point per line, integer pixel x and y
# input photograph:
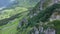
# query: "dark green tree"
{"type": "Point", "coordinates": [43, 15]}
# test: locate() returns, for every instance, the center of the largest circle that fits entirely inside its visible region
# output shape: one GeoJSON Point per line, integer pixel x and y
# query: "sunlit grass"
{"type": "Point", "coordinates": [7, 13]}
{"type": "Point", "coordinates": [11, 27]}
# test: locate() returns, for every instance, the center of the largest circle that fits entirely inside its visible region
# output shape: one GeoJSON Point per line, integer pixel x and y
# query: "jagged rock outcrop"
{"type": "Point", "coordinates": [41, 16]}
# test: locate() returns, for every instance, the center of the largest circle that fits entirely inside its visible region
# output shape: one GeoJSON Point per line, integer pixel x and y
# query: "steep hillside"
{"type": "Point", "coordinates": [29, 17]}
{"type": "Point", "coordinates": [13, 14]}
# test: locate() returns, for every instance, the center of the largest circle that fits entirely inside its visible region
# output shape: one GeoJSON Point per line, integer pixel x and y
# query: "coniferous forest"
{"type": "Point", "coordinates": [29, 16]}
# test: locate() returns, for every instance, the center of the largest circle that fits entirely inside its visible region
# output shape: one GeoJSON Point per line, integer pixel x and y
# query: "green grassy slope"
{"type": "Point", "coordinates": [10, 28]}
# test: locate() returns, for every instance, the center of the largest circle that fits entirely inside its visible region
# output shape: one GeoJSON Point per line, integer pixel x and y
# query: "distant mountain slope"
{"type": "Point", "coordinates": [27, 3]}
{"type": "Point", "coordinates": [6, 3]}
{"type": "Point", "coordinates": [13, 3]}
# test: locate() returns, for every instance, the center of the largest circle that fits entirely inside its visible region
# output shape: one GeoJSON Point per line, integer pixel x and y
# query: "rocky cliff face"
{"type": "Point", "coordinates": [55, 16]}
{"type": "Point", "coordinates": [39, 29]}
